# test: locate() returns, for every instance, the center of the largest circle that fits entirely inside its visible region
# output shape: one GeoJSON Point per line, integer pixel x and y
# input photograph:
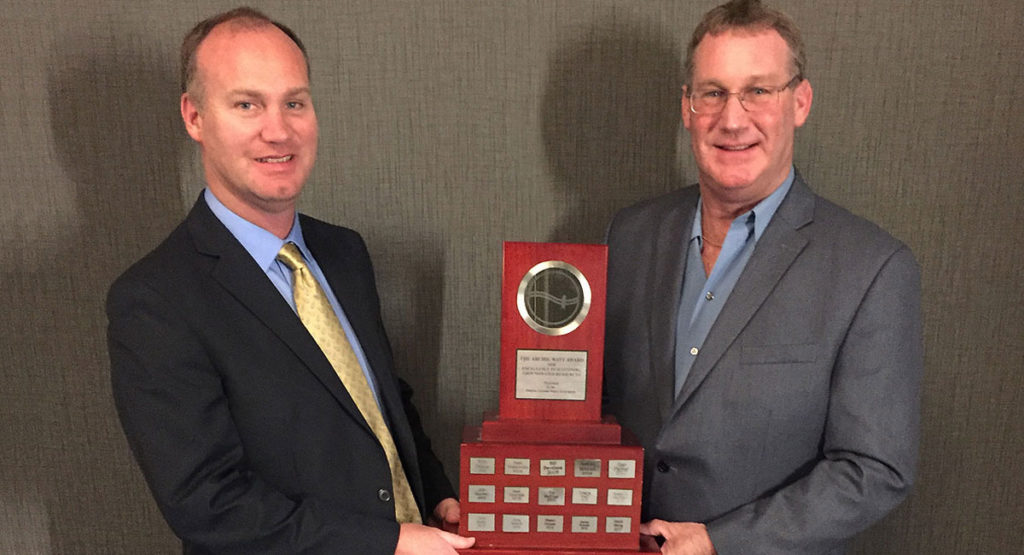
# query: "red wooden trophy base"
{"type": "Point", "coordinates": [554, 496]}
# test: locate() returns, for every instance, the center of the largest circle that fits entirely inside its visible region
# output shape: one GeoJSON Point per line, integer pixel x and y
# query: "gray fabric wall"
{"type": "Point", "coordinates": [449, 126]}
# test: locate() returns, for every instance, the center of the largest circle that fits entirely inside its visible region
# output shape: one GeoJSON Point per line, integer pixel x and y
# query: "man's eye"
{"type": "Point", "coordinates": [294, 105]}
{"type": "Point", "coordinates": [757, 91]}
{"type": "Point", "coordinates": [244, 105]}
{"type": "Point", "coordinates": [712, 94]}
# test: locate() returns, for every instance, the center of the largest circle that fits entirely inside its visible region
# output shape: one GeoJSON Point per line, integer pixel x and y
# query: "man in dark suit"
{"type": "Point", "coordinates": [763, 343]}
{"type": "Point", "coordinates": [251, 436]}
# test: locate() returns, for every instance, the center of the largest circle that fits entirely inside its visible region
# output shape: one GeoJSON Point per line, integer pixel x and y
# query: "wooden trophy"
{"type": "Point", "coordinates": [548, 474]}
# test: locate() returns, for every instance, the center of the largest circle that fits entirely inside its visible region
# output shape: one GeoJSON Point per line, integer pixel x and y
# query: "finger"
{"type": "Point", "coordinates": [651, 528]}
{"type": "Point", "coordinates": [457, 541]}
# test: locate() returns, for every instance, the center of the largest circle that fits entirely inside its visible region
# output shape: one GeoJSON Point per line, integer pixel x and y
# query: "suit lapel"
{"type": "Point", "coordinates": [346, 274]}
{"type": "Point", "coordinates": [666, 284]}
{"type": "Point", "coordinates": [774, 254]}
{"type": "Point", "coordinates": [238, 273]}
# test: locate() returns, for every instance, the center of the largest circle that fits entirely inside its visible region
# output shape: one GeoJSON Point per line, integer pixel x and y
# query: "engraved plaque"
{"type": "Point", "coordinates": [551, 375]}
{"type": "Point", "coordinates": [549, 523]}
{"type": "Point", "coordinates": [618, 525]}
{"type": "Point", "coordinates": [584, 524]}
{"type": "Point", "coordinates": [481, 494]}
{"type": "Point", "coordinates": [622, 469]}
{"type": "Point", "coordinates": [515, 523]}
{"type": "Point", "coordinates": [517, 467]}
{"type": "Point", "coordinates": [551, 496]}
{"type": "Point", "coordinates": [515, 494]}
{"type": "Point", "coordinates": [480, 522]}
{"type": "Point", "coordinates": [481, 465]}
{"type": "Point", "coordinates": [552, 467]}
{"type": "Point", "coordinates": [584, 496]}
{"type": "Point", "coordinates": [620, 497]}
{"type": "Point", "coordinates": [587, 468]}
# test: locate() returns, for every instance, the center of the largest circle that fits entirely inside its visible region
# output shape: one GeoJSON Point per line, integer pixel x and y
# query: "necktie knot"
{"type": "Point", "coordinates": [291, 257]}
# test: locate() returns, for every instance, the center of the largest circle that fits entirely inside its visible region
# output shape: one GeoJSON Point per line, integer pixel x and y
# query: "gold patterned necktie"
{"type": "Point", "coordinates": [322, 323]}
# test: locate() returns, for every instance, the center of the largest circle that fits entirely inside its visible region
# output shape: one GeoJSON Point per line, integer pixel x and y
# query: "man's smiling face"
{"type": "Point", "coordinates": [743, 156]}
{"type": "Point", "coordinates": [253, 118]}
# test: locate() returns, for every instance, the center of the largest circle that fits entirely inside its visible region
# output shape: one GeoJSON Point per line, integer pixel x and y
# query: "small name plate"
{"type": "Point", "coordinates": [552, 467]}
{"type": "Point", "coordinates": [622, 469]}
{"type": "Point", "coordinates": [584, 496]}
{"type": "Point", "coordinates": [549, 523]}
{"type": "Point", "coordinates": [620, 497]}
{"type": "Point", "coordinates": [515, 523]}
{"type": "Point", "coordinates": [480, 522]}
{"type": "Point", "coordinates": [551, 496]}
{"type": "Point", "coordinates": [584, 524]}
{"type": "Point", "coordinates": [516, 494]}
{"type": "Point", "coordinates": [517, 467]}
{"type": "Point", "coordinates": [617, 525]}
{"type": "Point", "coordinates": [481, 494]}
{"type": "Point", "coordinates": [587, 468]}
{"type": "Point", "coordinates": [481, 465]}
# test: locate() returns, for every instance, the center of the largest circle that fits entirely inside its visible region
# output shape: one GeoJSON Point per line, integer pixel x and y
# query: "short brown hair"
{"type": "Point", "coordinates": [749, 15]}
{"type": "Point", "coordinates": [244, 17]}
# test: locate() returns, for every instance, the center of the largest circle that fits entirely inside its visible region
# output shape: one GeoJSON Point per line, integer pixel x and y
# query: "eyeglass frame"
{"type": "Point", "coordinates": [739, 94]}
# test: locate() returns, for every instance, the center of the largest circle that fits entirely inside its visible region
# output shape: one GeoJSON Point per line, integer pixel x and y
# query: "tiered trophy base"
{"type": "Point", "coordinates": [551, 498]}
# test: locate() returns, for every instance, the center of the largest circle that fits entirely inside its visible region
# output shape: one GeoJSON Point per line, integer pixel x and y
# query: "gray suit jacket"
{"type": "Point", "coordinates": [797, 426]}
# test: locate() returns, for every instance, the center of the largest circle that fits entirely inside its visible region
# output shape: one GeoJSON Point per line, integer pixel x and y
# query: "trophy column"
{"type": "Point", "coordinates": [547, 473]}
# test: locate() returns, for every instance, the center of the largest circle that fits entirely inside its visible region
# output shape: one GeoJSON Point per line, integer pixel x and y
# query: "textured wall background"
{"type": "Point", "coordinates": [449, 126]}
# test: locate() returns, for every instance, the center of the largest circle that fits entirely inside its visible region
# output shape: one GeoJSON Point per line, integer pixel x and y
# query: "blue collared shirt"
{"type": "Point", "coordinates": [704, 296]}
{"type": "Point", "coordinates": [263, 246]}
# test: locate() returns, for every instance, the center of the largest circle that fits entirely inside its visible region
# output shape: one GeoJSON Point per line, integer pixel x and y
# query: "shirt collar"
{"type": "Point", "coordinates": [761, 213]}
{"type": "Point", "coordinates": [261, 244]}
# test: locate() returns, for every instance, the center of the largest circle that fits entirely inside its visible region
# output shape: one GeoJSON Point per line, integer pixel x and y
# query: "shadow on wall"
{"type": "Point", "coordinates": [112, 98]}
{"type": "Point", "coordinates": [610, 118]}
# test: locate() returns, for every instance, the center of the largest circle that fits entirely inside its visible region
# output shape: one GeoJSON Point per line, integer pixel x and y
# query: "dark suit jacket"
{"type": "Point", "coordinates": [797, 426]}
{"type": "Point", "coordinates": [246, 436]}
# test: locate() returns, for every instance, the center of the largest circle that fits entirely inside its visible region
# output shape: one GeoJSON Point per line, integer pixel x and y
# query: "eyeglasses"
{"type": "Point", "coordinates": [753, 99]}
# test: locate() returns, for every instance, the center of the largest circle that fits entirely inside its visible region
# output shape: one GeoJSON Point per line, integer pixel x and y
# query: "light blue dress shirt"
{"type": "Point", "coordinates": [263, 246]}
{"type": "Point", "coordinates": [704, 296]}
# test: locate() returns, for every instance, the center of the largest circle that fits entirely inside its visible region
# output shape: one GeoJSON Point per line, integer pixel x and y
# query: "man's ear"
{"type": "Point", "coordinates": [803, 95]}
{"type": "Point", "coordinates": [192, 118]}
{"type": "Point", "coordinates": [685, 106]}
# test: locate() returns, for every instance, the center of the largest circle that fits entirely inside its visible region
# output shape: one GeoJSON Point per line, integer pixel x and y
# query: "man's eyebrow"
{"type": "Point", "coordinates": [246, 92]}
{"type": "Point", "coordinates": [297, 91]}
{"type": "Point", "coordinates": [749, 81]}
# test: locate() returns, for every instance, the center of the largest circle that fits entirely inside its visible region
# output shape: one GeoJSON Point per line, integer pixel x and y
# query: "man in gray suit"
{"type": "Point", "coordinates": [763, 343]}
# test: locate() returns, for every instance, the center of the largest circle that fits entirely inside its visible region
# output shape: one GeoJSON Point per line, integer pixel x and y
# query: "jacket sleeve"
{"type": "Point", "coordinates": [871, 433]}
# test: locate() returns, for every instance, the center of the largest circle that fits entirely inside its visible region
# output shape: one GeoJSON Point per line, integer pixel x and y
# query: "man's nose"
{"type": "Point", "coordinates": [733, 114]}
{"type": "Point", "coordinates": [275, 126]}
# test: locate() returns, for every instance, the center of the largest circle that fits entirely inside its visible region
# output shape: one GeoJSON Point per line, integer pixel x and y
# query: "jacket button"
{"type": "Point", "coordinates": [384, 495]}
{"type": "Point", "coordinates": [662, 466]}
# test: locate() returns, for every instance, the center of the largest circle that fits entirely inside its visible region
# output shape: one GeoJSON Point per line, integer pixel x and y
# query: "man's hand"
{"type": "Point", "coordinates": [417, 539]}
{"type": "Point", "coordinates": [447, 514]}
{"type": "Point", "coordinates": [681, 538]}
